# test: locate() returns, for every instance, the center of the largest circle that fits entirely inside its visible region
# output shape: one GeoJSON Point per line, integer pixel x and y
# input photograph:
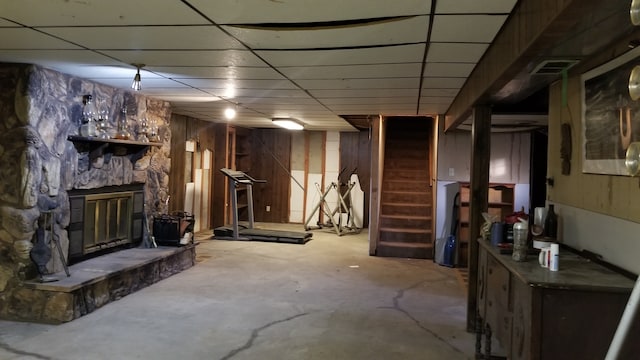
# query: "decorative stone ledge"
{"type": "Point", "coordinates": [96, 282]}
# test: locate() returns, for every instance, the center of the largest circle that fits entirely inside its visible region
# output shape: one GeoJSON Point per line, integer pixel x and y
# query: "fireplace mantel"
{"type": "Point", "coordinates": [100, 146]}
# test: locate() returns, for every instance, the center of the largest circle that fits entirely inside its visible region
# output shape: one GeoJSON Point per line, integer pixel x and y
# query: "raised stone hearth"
{"type": "Point", "coordinates": [98, 281]}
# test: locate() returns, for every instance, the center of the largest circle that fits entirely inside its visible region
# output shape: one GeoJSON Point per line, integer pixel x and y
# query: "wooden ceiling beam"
{"type": "Point", "coordinates": [534, 26]}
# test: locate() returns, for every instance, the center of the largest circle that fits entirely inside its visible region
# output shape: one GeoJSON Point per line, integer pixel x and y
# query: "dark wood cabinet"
{"type": "Point", "coordinates": [535, 313]}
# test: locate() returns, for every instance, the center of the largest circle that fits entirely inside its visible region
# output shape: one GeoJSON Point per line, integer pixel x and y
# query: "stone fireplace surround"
{"type": "Point", "coordinates": [39, 110]}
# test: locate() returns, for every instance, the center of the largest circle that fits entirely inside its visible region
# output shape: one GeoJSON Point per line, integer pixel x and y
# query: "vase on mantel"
{"type": "Point", "coordinates": [89, 118]}
{"type": "Point", "coordinates": [123, 126]}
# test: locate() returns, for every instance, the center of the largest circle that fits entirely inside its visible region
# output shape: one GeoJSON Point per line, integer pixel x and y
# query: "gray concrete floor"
{"type": "Point", "coordinates": [327, 299]}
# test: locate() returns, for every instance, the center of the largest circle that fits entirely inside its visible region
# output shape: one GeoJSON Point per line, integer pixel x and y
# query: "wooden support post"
{"type": "Point", "coordinates": [478, 199]}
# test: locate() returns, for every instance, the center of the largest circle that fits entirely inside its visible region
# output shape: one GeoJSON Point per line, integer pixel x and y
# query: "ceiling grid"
{"type": "Point", "coordinates": [317, 61]}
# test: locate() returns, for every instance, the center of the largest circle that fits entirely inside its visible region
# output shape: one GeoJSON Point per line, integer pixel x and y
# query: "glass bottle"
{"type": "Point", "coordinates": [520, 234]}
{"type": "Point", "coordinates": [123, 126]}
{"type": "Point", "coordinates": [551, 223]}
{"type": "Point", "coordinates": [103, 120]}
{"type": "Point", "coordinates": [89, 117]}
{"type": "Point", "coordinates": [143, 129]}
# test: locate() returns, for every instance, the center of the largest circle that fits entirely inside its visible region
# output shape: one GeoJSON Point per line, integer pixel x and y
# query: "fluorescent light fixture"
{"type": "Point", "coordinates": [137, 84]}
{"type": "Point", "coordinates": [288, 123]}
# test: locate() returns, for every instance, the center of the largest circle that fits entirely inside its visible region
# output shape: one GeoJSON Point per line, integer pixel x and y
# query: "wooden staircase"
{"type": "Point", "coordinates": [406, 195]}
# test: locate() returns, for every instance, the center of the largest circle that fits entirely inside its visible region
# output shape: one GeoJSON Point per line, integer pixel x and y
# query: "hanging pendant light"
{"type": "Point", "coordinates": [137, 84]}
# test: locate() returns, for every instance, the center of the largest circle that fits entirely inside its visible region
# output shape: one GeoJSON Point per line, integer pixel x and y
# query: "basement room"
{"type": "Point", "coordinates": [191, 179]}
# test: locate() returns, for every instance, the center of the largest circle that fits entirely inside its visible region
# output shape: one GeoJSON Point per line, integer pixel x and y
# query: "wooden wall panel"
{"type": "Point", "coordinates": [176, 175]}
{"type": "Point", "coordinates": [355, 153]}
{"type": "Point", "coordinates": [184, 128]}
{"type": "Point", "coordinates": [220, 156]}
{"type": "Point", "coordinates": [273, 165]}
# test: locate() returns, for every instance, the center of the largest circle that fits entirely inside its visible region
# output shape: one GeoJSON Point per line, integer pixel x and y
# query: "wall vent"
{"type": "Point", "coordinates": [553, 67]}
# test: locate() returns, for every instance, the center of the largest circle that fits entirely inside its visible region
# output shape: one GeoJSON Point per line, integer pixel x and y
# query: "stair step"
{"type": "Point", "coordinates": [412, 217]}
{"type": "Point", "coordinates": [406, 185]}
{"type": "Point", "coordinates": [390, 196]}
{"type": "Point", "coordinates": [405, 230]}
{"type": "Point", "coordinates": [405, 250]}
{"type": "Point", "coordinates": [408, 235]}
{"type": "Point", "coordinates": [395, 208]}
{"type": "Point", "coordinates": [403, 221]}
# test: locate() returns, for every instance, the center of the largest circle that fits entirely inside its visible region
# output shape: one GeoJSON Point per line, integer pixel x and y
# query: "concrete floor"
{"type": "Point", "coordinates": [327, 299]}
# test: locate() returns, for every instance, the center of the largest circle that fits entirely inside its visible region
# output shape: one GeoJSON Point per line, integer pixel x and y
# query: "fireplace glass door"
{"type": "Point", "coordinates": [107, 220]}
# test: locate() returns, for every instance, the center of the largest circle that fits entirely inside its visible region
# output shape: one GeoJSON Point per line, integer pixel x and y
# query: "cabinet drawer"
{"type": "Point", "coordinates": [497, 282]}
{"type": "Point", "coordinates": [498, 310]}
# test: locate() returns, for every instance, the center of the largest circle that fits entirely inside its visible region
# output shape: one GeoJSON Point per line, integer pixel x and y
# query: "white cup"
{"type": "Point", "coordinates": [544, 258]}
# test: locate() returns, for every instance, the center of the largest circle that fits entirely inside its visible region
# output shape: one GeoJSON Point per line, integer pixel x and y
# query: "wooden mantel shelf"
{"type": "Point", "coordinates": [98, 147]}
{"type": "Point", "coordinates": [77, 138]}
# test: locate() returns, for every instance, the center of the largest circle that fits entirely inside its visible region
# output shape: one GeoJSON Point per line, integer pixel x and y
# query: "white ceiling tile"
{"type": "Point", "coordinates": [443, 83]}
{"type": "Point", "coordinates": [403, 31]}
{"type": "Point", "coordinates": [394, 83]}
{"type": "Point", "coordinates": [353, 71]}
{"type": "Point", "coordinates": [7, 23]}
{"type": "Point", "coordinates": [300, 11]}
{"type": "Point", "coordinates": [439, 92]}
{"type": "Point", "coordinates": [475, 6]}
{"type": "Point", "coordinates": [148, 37]}
{"type": "Point", "coordinates": [276, 101]}
{"type": "Point", "coordinates": [373, 108]}
{"type": "Point", "coordinates": [448, 69]}
{"type": "Point", "coordinates": [239, 84]}
{"type": "Point", "coordinates": [433, 109]}
{"type": "Point", "coordinates": [455, 52]}
{"type": "Point", "coordinates": [23, 38]}
{"type": "Point", "coordinates": [287, 107]}
{"type": "Point", "coordinates": [270, 93]}
{"type": "Point", "coordinates": [466, 28]}
{"type": "Point", "coordinates": [94, 13]}
{"type": "Point", "coordinates": [379, 55]}
{"type": "Point", "coordinates": [187, 58]}
{"type": "Point", "coordinates": [219, 72]}
{"type": "Point", "coordinates": [53, 58]}
{"type": "Point", "coordinates": [147, 83]}
{"type": "Point", "coordinates": [436, 100]}
{"type": "Point", "coordinates": [123, 71]}
{"type": "Point", "coordinates": [364, 93]}
{"type": "Point", "coordinates": [380, 100]}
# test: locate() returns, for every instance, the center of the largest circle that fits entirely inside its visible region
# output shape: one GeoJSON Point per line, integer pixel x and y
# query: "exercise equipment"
{"type": "Point", "coordinates": [239, 179]}
{"type": "Point", "coordinates": [343, 208]}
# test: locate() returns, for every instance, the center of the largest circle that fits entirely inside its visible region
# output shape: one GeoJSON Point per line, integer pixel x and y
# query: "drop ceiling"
{"type": "Point", "coordinates": [317, 61]}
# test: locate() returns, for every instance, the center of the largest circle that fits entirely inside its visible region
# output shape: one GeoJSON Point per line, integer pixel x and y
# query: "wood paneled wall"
{"type": "Point", "coordinates": [355, 153]}
{"type": "Point", "coordinates": [272, 150]}
{"type": "Point", "coordinates": [184, 128]}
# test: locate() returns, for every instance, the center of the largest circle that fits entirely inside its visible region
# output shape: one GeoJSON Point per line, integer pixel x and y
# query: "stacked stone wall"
{"type": "Point", "coordinates": [39, 110]}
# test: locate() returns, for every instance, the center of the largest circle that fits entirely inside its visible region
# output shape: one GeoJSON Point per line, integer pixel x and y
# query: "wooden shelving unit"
{"type": "Point", "coordinates": [501, 200]}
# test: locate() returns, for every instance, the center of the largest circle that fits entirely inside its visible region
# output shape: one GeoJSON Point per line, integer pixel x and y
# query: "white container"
{"type": "Point", "coordinates": [554, 258]}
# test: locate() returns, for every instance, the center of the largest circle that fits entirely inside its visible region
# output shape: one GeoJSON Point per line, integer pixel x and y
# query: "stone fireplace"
{"type": "Point", "coordinates": [97, 198]}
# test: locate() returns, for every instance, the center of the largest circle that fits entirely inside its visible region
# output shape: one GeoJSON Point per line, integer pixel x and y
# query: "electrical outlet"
{"type": "Point", "coordinates": [452, 172]}
{"type": "Point", "coordinates": [268, 208]}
